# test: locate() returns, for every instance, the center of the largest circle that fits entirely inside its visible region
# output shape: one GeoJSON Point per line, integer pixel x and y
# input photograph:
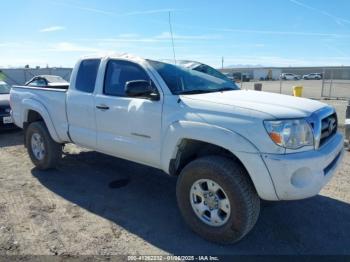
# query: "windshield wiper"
{"type": "Point", "coordinates": [224, 89]}
{"type": "Point", "coordinates": [193, 92]}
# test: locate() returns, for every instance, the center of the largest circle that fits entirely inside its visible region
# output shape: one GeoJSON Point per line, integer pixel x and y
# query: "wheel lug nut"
{"type": "Point", "coordinates": [205, 203]}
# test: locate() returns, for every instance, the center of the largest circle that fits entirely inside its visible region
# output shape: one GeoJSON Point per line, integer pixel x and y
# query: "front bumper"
{"type": "Point", "coordinates": [302, 175]}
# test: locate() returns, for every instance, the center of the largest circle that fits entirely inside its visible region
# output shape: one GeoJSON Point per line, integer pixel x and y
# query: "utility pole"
{"type": "Point", "coordinates": [222, 62]}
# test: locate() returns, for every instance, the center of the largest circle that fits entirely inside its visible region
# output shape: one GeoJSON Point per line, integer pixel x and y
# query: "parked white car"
{"type": "Point", "coordinates": [289, 76]}
{"type": "Point", "coordinates": [200, 67]}
{"type": "Point", "coordinates": [48, 81]}
{"type": "Point", "coordinates": [229, 148]}
{"type": "Point", "coordinates": [313, 76]}
{"type": "Point", "coordinates": [230, 76]}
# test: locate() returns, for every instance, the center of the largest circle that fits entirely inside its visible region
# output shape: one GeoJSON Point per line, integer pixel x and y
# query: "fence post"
{"type": "Point", "coordinates": [347, 125]}
{"type": "Point", "coordinates": [323, 77]}
{"type": "Point", "coordinates": [330, 85]}
{"type": "Point", "coordinates": [280, 85]}
{"type": "Point", "coordinates": [25, 75]}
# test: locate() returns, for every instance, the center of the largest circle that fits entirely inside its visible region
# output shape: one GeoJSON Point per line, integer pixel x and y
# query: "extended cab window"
{"type": "Point", "coordinates": [87, 73]}
{"type": "Point", "coordinates": [118, 73]}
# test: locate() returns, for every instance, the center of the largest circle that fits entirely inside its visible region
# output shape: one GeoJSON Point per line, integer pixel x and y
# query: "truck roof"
{"type": "Point", "coordinates": [116, 56]}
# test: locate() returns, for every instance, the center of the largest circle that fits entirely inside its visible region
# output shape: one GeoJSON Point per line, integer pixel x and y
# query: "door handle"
{"type": "Point", "coordinates": [102, 107]}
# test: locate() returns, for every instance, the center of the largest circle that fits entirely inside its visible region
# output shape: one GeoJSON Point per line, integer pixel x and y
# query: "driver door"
{"type": "Point", "coordinates": [127, 127]}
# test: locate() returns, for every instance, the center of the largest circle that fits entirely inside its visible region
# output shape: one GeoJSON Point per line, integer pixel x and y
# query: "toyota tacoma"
{"type": "Point", "coordinates": [228, 147]}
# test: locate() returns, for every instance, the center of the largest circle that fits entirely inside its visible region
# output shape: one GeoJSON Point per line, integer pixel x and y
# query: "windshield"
{"type": "Point", "coordinates": [4, 88]}
{"type": "Point", "coordinates": [181, 80]}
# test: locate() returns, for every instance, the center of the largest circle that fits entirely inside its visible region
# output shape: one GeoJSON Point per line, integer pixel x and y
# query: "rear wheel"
{"type": "Point", "coordinates": [217, 199]}
{"type": "Point", "coordinates": [42, 149]}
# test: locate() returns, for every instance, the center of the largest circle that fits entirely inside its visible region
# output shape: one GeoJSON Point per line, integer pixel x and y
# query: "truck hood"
{"type": "Point", "coordinates": [4, 99]}
{"type": "Point", "coordinates": [275, 105]}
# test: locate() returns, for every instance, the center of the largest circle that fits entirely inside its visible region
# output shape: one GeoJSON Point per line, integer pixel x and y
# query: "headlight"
{"type": "Point", "coordinates": [292, 134]}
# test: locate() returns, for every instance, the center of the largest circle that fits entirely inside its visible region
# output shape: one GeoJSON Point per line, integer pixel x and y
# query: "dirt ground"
{"type": "Point", "coordinates": [96, 204]}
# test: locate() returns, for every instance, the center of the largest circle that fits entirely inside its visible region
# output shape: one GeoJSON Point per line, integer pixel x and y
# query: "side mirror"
{"type": "Point", "coordinates": [141, 89]}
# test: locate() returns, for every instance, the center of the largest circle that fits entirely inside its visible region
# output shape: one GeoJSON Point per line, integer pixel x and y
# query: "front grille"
{"type": "Point", "coordinates": [329, 126]}
{"type": "Point", "coordinates": [4, 110]}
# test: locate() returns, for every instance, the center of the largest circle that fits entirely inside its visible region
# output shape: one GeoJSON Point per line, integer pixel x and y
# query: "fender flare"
{"type": "Point", "coordinates": [238, 145]}
{"type": "Point", "coordinates": [34, 105]}
{"type": "Point", "coordinates": [215, 135]}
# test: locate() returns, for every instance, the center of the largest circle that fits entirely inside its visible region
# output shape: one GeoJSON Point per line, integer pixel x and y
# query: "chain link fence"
{"type": "Point", "coordinates": [328, 82]}
{"type": "Point", "coordinates": [19, 76]}
{"type": "Point", "coordinates": [336, 83]}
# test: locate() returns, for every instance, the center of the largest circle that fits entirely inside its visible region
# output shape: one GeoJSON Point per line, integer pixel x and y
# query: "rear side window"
{"type": "Point", "coordinates": [118, 73]}
{"type": "Point", "coordinates": [87, 73]}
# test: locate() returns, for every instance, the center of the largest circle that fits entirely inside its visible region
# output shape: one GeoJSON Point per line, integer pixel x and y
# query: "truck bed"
{"type": "Point", "coordinates": [53, 100]}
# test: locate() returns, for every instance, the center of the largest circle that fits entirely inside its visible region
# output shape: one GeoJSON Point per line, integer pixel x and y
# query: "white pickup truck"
{"type": "Point", "coordinates": [229, 147]}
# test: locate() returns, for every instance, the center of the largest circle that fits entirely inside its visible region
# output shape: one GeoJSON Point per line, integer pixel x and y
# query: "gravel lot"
{"type": "Point", "coordinates": [96, 204]}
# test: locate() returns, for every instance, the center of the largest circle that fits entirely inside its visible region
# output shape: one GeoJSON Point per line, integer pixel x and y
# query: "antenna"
{"type": "Point", "coordinates": [172, 37]}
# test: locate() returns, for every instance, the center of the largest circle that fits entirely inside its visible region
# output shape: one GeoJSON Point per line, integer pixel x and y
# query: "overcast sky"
{"type": "Point", "coordinates": [254, 32]}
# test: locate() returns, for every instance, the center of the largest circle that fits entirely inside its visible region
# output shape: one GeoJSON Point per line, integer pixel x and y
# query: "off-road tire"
{"type": "Point", "coordinates": [235, 181]}
{"type": "Point", "coordinates": [53, 150]}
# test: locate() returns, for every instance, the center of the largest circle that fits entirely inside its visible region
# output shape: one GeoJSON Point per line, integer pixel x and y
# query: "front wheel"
{"type": "Point", "coordinates": [42, 149]}
{"type": "Point", "coordinates": [217, 199]}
